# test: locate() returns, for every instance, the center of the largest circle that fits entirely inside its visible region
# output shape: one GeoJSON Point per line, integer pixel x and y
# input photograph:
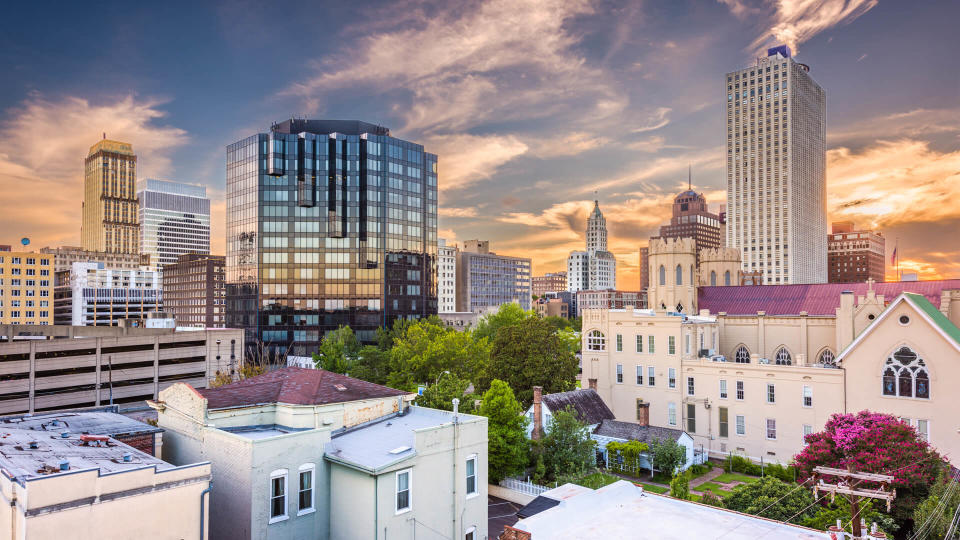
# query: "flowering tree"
{"type": "Point", "coordinates": [874, 443]}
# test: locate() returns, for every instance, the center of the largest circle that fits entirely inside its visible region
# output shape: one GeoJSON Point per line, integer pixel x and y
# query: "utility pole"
{"type": "Point", "coordinates": [852, 494]}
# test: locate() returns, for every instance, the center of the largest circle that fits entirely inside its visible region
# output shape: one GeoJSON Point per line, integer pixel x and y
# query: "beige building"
{"type": "Point", "coordinates": [110, 222]}
{"type": "Point", "coordinates": [65, 256]}
{"type": "Point", "coordinates": [68, 485]}
{"type": "Point", "coordinates": [26, 287]}
{"type": "Point", "coordinates": [756, 384]}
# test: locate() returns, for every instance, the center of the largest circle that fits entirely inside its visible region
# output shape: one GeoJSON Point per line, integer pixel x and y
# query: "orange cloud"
{"type": "Point", "coordinates": [794, 21]}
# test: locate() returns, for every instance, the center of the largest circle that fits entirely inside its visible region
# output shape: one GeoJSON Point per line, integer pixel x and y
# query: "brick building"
{"type": "Point", "coordinates": [854, 256]}
{"type": "Point", "coordinates": [194, 290]}
{"type": "Point", "coordinates": [549, 282]}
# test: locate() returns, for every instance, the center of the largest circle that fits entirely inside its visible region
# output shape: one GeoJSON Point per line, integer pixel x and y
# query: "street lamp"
{"type": "Point", "coordinates": [445, 372]}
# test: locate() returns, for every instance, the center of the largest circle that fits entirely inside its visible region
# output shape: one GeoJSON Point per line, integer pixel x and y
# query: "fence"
{"type": "Point", "coordinates": [524, 486]}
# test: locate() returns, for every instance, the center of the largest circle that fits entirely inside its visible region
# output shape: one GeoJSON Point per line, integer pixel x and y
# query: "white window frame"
{"type": "Point", "coordinates": [476, 477]}
{"type": "Point", "coordinates": [767, 431]}
{"type": "Point", "coordinates": [639, 378]}
{"type": "Point", "coordinates": [926, 433]}
{"type": "Point", "coordinates": [470, 534]}
{"type": "Point", "coordinates": [807, 390]}
{"type": "Point", "coordinates": [671, 377]}
{"type": "Point", "coordinates": [740, 425]}
{"type": "Point", "coordinates": [312, 469]}
{"type": "Point", "coordinates": [723, 389]}
{"type": "Point", "coordinates": [619, 374]}
{"type": "Point", "coordinates": [741, 390]}
{"type": "Point", "coordinates": [651, 376]}
{"type": "Point", "coordinates": [771, 393]}
{"type": "Point", "coordinates": [691, 386]}
{"type": "Point", "coordinates": [672, 413]}
{"type": "Point", "coordinates": [279, 473]}
{"type": "Point", "coordinates": [396, 491]}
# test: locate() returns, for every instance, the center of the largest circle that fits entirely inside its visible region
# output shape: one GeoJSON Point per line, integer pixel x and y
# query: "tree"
{"type": "Point", "coordinates": [874, 443]}
{"type": "Point", "coordinates": [529, 354]}
{"type": "Point", "coordinates": [372, 365]}
{"type": "Point", "coordinates": [509, 314]}
{"type": "Point", "coordinates": [506, 432]}
{"type": "Point", "coordinates": [567, 448]}
{"type": "Point", "coordinates": [338, 350]}
{"type": "Point", "coordinates": [773, 499]}
{"type": "Point", "coordinates": [627, 453]}
{"type": "Point", "coordinates": [667, 455]}
{"type": "Point", "coordinates": [933, 516]}
{"type": "Point", "coordinates": [840, 510]}
{"type": "Point", "coordinates": [427, 348]}
{"type": "Point", "coordinates": [442, 394]}
{"type": "Point", "coordinates": [680, 486]}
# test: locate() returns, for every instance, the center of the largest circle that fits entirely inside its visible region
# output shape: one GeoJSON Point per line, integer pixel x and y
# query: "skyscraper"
{"type": "Point", "coordinates": [776, 176]}
{"type": "Point", "coordinates": [595, 268]}
{"type": "Point", "coordinates": [485, 280]}
{"type": "Point", "coordinates": [174, 220]}
{"type": "Point", "coordinates": [109, 199]}
{"type": "Point", "coordinates": [855, 255]}
{"type": "Point", "coordinates": [329, 223]}
{"type": "Point", "coordinates": [446, 277]}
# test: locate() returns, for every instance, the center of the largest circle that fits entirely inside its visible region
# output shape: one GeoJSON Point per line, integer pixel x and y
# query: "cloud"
{"type": "Point", "coordinates": [793, 22]}
{"type": "Point", "coordinates": [45, 143]}
{"type": "Point", "coordinates": [465, 159]}
{"type": "Point", "coordinates": [657, 120]}
{"type": "Point", "coordinates": [447, 211]}
{"type": "Point", "coordinates": [566, 145]}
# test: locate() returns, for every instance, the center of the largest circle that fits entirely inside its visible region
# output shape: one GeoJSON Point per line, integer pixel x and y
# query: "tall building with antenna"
{"type": "Point", "coordinates": [596, 268]}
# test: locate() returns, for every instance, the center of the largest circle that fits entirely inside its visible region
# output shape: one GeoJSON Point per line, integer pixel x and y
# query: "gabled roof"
{"type": "Point", "coordinates": [295, 386]}
{"type": "Point", "coordinates": [815, 299]}
{"type": "Point", "coordinates": [928, 311]}
{"type": "Point", "coordinates": [635, 432]}
{"type": "Point", "coordinates": [586, 404]}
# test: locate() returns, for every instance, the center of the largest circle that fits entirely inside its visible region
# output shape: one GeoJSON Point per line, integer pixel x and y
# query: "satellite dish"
{"type": "Point", "coordinates": [25, 241]}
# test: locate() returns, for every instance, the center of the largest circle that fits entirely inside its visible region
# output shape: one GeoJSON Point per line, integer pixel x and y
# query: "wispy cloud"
{"type": "Point", "coordinates": [795, 21]}
{"type": "Point", "coordinates": [657, 120]}
{"type": "Point", "coordinates": [465, 159]}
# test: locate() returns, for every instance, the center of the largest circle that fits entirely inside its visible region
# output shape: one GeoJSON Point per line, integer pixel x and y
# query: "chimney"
{"type": "Point", "coordinates": [537, 413]}
{"type": "Point", "coordinates": [593, 384]}
{"type": "Point", "coordinates": [643, 413]}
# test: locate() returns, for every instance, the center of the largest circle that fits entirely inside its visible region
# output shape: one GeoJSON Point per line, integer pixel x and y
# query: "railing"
{"type": "Point", "coordinates": [524, 486]}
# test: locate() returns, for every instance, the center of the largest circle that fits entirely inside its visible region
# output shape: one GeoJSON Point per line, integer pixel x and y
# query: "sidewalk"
{"type": "Point", "coordinates": [715, 472]}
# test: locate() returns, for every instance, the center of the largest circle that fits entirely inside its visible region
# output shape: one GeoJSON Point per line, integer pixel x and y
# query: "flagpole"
{"type": "Point", "coordinates": [896, 249]}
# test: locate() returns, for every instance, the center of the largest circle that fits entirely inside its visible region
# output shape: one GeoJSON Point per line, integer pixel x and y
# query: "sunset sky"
{"type": "Point", "coordinates": [532, 106]}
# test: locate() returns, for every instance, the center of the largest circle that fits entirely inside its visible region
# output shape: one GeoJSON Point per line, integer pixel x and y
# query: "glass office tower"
{"type": "Point", "coordinates": [329, 223]}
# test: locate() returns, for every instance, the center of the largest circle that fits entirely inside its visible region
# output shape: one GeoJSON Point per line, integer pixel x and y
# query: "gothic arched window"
{"type": "Point", "coordinates": [782, 357]}
{"type": "Point", "coordinates": [663, 275]}
{"type": "Point", "coordinates": [905, 375]}
{"type": "Point", "coordinates": [726, 278]}
{"type": "Point", "coordinates": [596, 341]}
{"type": "Point", "coordinates": [679, 280]}
{"type": "Point", "coordinates": [826, 358]}
{"type": "Point", "coordinates": [742, 356]}
{"type": "Point", "coordinates": [713, 278]}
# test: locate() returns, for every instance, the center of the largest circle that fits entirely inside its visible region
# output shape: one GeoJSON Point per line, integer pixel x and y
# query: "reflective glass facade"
{"type": "Point", "coordinates": [329, 223]}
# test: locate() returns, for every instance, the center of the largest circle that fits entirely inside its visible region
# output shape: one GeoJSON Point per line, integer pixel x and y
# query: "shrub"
{"type": "Point", "coordinates": [699, 470]}
{"type": "Point", "coordinates": [680, 486]}
{"type": "Point", "coordinates": [711, 499]}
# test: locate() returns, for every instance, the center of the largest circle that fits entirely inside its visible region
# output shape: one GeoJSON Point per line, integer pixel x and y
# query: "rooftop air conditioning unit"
{"type": "Point", "coordinates": [763, 361]}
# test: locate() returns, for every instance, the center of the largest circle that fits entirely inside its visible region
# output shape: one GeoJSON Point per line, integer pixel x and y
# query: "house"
{"type": "Point", "coordinates": [615, 430]}
{"type": "Point", "coordinates": [306, 453]}
{"type": "Point", "coordinates": [624, 510]}
{"type": "Point", "coordinates": [60, 483]}
{"type": "Point", "coordinates": [584, 402]}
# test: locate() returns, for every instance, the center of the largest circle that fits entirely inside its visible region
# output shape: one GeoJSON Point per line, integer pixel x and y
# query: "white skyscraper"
{"type": "Point", "coordinates": [596, 268]}
{"type": "Point", "coordinates": [776, 173]}
{"type": "Point", "coordinates": [446, 277]}
{"type": "Point", "coordinates": [174, 220]}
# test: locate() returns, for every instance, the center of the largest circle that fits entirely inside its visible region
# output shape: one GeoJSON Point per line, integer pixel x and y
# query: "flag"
{"type": "Point", "coordinates": [893, 258]}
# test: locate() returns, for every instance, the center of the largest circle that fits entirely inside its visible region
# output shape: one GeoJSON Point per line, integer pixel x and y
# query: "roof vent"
{"type": "Point", "coordinates": [54, 422]}
{"type": "Point", "coordinates": [65, 435]}
{"type": "Point", "coordinates": [400, 449]}
{"type": "Point", "coordinates": [340, 387]}
{"type": "Point", "coordinates": [34, 445]}
{"type": "Point", "coordinates": [64, 465]}
{"type": "Point", "coordinates": [127, 457]}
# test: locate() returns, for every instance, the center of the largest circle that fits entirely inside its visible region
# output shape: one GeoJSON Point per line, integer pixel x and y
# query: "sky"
{"type": "Point", "coordinates": [534, 107]}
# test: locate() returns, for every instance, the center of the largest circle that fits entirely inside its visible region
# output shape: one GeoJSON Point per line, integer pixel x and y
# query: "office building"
{"type": "Point", "coordinates": [607, 299]}
{"type": "Point", "coordinates": [446, 277]}
{"type": "Point", "coordinates": [65, 256]}
{"type": "Point", "coordinates": [194, 291]}
{"type": "Point", "coordinates": [26, 287]}
{"type": "Point", "coordinates": [595, 268]}
{"type": "Point", "coordinates": [329, 223]}
{"type": "Point", "coordinates": [549, 282]}
{"type": "Point", "coordinates": [776, 176]}
{"type": "Point", "coordinates": [66, 367]}
{"type": "Point", "coordinates": [486, 280]}
{"type": "Point", "coordinates": [855, 255]}
{"type": "Point", "coordinates": [306, 453]}
{"type": "Point", "coordinates": [174, 220]}
{"type": "Point", "coordinates": [552, 307]}
{"type": "Point", "coordinates": [109, 199]}
{"type": "Point", "coordinates": [692, 219]}
{"type": "Point", "coordinates": [91, 294]}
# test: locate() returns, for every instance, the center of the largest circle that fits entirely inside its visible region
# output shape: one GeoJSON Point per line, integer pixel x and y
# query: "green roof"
{"type": "Point", "coordinates": [920, 302]}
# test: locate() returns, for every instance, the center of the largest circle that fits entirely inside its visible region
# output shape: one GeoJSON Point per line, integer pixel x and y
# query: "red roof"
{"type": "Point", "coordinates": [296, 386]}
{"type": "Point", "coordinates": [815, 299]}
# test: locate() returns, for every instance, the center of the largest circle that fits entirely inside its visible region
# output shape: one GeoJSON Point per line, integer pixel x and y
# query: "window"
{"type": "Point", "coordinates": [305, 493]}
{"type": "Point", "coordinates": [739, 390]}
{"type": "Point", "coordinates": [672, 413]}
{"type": "Point", "coordinates": [679, 276]}
{"type": "Point", "coordinates": [726, 278]}
{"type": "Point", "coordinates": [807, 430]}
{"type": "Point", "coordinates": [690, 386]}
{"type": "Point", "coordinates": [905, 375]}
{"type": "Point", "coordinates": [403, 490]}
{"type": "Point", "coordinates": [596, 341]}
{"type": "Point", "coordinates": [650, 376]}
{"type": "Point", "coordinates": [639, 343]}
{"type": "Point", "coordinates": [278, 495]}
{"type": "Point", "coordinates": [663, 276]}
{"type": "Point", "coordinates": [724, 422]}
{"type": "Point", "coordinates": [723, 389]}
{"type": "Point", "coordinates": [650, 345]}
{"type": "Point", "coordinates": [783, 357]}
{"type": "Point", "coordinates": [771, 393]}
{"type": "Point", "coordinates": [713, 278]}
{"type": "Point", "coordinates": [671, 345]}
{"type": "Point", "coordinates": [807, 396]}
{"type": "Point", "coordinates": [923, 428]}
{"type": "Point", "coordinates": [771, 429]}
{"type": "Point", "coordinates": [741, 425]}
{"type": "Point", "coordinates": [471, 534]}
{"type": "Point", "coordinates": [619, 343]}
{"type": "Point", "coordinates": [619, 373]}
{"type": "Point", "coordinates": [692, 417]}
{"type": "Point", "coordinates": [472, 476]}
{"type": "Point", "coordinates": [826, 358]}
{"type": "Point", "coordinates": [639, 375]}
{"type": "Point", "coordinates": [742, 356]}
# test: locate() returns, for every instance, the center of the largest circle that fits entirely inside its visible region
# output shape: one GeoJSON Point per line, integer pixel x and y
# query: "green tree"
{"type": "Point", "coordinates": [372, 365]}
{"type": "Point", "coordinates": [557, 323]}
{"type": "Point", "coordinates": [529, 354]}
{"type": "Point", "coordinates": [442, 394]}
{"type": "Point", "coordinates": [667, 455]}
{"type": "Point", "coordinates": [567, 448]}
{"type": "Point", "coordinates": [680, 486]}
{"type": "Point", "coordinates": [828, 515]}
{"type": "Point", "coordinates": [932, 517]}
{"type": "Point", "coordinates": [338, 350]}
{"type": "Point", "coordinates": [427, 348]}
{"type": "Point", "coordinates": [506, 432]}
{"type": "Point", "coordinates": [773, 499]}
{"type": "Point", "coordinates": [507, 315]}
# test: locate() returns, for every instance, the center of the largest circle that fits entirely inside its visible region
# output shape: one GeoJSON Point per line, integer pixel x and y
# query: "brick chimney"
{"type": "Point", "coordinates": [643, 413]}
{"type": "Point", "coordinates": [509, 533]}
{"type": "Point", "coordinates": [593, 384]}
{"type": "Point", "coordinates": [537, 413]}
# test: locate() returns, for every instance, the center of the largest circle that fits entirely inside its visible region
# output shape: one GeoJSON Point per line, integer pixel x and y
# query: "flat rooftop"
{"type": "Point", "coordinates": [24, 463]}
{"type": "Point", "coordinates": [623, 510]}
{"type": "Point", "coordinates": [388, 441]}
{"type": "Point", "coordinates": [93, 423]}
{"type": "Point", "coordinates": [262, 432]}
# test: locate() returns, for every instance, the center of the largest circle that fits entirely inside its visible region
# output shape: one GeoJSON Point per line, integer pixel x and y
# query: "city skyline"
{"type": "Point", "coordinates": [586, 97]}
